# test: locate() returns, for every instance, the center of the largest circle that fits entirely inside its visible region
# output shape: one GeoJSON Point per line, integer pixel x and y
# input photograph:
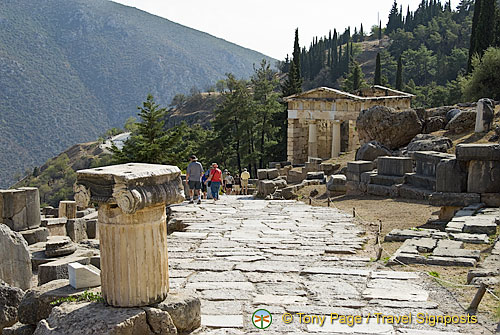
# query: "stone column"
{"type": "Point", "coordinates": [335, 138]}
{"type": "Point", "coordinates": [132, 228]}
{"type": "Point", "coordinates": [312, 150]}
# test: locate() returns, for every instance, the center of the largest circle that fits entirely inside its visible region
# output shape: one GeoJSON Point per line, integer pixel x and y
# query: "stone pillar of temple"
{"type": "Point", "coordinates": [67, 209]}
{"type": "Point", "coordinates": [132, 227]}
{"type": "Point", "coordinates": [335, 138]}
{"type": "Point", "coordinates": [312, 149]}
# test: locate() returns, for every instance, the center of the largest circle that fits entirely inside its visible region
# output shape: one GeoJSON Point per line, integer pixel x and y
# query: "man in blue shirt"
{"type": "Point", "coordinates": [194, 173]}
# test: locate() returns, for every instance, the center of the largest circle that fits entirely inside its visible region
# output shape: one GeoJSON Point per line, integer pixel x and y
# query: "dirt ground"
{"type": "Point", "coordinates": [403, 214]}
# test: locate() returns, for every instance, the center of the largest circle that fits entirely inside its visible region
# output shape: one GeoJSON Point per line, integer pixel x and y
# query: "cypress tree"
{"type": "Point", "coordinates": [475, 21]}
{"type": "Point", "coordinates": [361, 33]}
{"type": "Point", "coordinates": [293, 84]}
{"type": "Point", "coordinates": [378, 76]}
{"type": "Point", "coordinates": [485, 26]}
{"type": "Point", "coordinates": [380, 30]}
{"type": "Point", "coordinates": [399, 75]}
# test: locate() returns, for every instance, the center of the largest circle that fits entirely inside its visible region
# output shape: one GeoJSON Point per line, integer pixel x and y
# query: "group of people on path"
{"type": "Point", "coordinates": [209, 182]}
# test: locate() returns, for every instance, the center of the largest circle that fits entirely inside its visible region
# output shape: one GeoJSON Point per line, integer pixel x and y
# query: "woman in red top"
{"type": "Point", "coordinates": [216, 179]}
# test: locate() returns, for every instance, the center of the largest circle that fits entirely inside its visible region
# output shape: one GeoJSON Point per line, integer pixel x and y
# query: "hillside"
{"type": "Point", "coordinates": [71, 69]}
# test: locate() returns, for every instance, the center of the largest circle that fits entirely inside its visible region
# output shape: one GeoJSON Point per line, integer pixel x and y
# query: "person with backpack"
{"type": "Point", "coordinates": [194, 172]}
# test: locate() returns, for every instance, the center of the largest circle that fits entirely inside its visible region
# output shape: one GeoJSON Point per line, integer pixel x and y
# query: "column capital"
{"type": "Point", "coordinates": [131, 186]}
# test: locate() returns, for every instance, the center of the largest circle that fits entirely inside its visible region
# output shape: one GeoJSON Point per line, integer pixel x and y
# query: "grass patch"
{"type": "Point", "coordinates": [85, 296]}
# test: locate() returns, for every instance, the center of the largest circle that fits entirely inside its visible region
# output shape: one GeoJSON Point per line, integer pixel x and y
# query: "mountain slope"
{"type": "Point", "coordinates": [70, 69]}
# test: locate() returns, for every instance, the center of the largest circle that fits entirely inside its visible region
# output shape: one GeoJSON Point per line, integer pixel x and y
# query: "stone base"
{"type": "Point", "coordinates": [453, 199]}
{"type": "Point", "coordinates": [419, 181]}
{"type": "Point", "coordinates": [36, 235]}
{"type": "Point", "coordinates": [409, 192]}
{"type": "Point", "coordinates": [56, 226]}
{"type": "Point", "coordinates": [58, 269]}
{"type": "Point", "coordinates": [491, 199]}
{"type": "Point", "coordinates": [184, 308]}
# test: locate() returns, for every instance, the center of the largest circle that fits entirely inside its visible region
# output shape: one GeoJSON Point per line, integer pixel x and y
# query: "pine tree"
{"type": "Point", "coordinates": [355, 79]}
{"type": "Point", "coordinates": [378, 77]}
{"type": "Point", "coordinates": [399, 75]}
{"type": "Point", "coordinates": [473, 40]}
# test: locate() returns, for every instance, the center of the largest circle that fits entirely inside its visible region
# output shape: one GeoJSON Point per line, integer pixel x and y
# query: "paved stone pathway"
{"type": "Point", "coordinates": [241, 255]}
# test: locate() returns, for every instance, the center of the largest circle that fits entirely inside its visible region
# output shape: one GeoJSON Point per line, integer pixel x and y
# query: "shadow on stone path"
{"type": "Point", "coordinates": [241, 255]}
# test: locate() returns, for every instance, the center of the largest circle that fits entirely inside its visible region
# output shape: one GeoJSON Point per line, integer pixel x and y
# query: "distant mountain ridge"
{"type": "Point", "coordinates": [70, 69]}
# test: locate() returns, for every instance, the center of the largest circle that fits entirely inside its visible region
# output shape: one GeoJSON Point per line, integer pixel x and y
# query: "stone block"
{"type": "Point", "coordinates": [483, 177]}
{"type": "Point", "coordinates": [76, 229]}
{"type": "Point", "coordinates": [353, 176]}
{"type": "Point", "coordinates": [58, 269]}
{"type": "Point", "coordinates": [353, 188]}
{"type": "Point", "coordinates": [366, 177]}
{"type": "Point", "coordinates": [67, 209]}
{"type": "Point", "coordinates": [457, 253]}
{"type": "Point", "coordinates": [78, 318]}
{"type": "Point", "coordinates": [184, 308]}
{"type": "Point", "coordinates": [380, 190]}
{"type": "Point", "coordinates": [491, 199]}
{"type": "Point", "coordinates": [453, 199]}
{"type": "Point", "coordinates": [35, 235]}
{"type": "Point", "coordinates": [336, 183]}
{"type": "Point", "coordinates": [315, 175]}
{"type": "Point", "coordinates": [92, 229]}
{"type": "Point", "coordinates": [454, 227]}
{"type": "Point", "coordinates": [476, 226]}
{"type": "Point", "coordinates": [470, 238]}
{"type": "Point", "coordinates": [410, 192]}
{"type": "Point", "coordinates": [394, 166]}
{"type": "Point", "coordinates": [421, 181]}
{"type": "Point", "coordinates": [359, 167]}
{"type": "Point", "coordinates": [450, 261]}
{"type": "Point", "coordinates": [450, 244]}
{"type": "Point", "coordinates": [427, 161]}
{"type": "Point", "coordinates": [19, 329]}
{"type": "Point", "coordinates": [13, 206]}
{"type": "Point", "coordinates": [83, 276]}
{"type": "Point", "coordinates": [451, 176]}
{"type": "Point", "coordinates": [447, 213]}
{"type": "Point", "coordinates": [478, 152]}
{"type": "Point", "coordinates": [421, 244]}
{"type": "Point", "coordinates": [272, 174]}
{"type": "Point", "coordinates": [49, 210]}
{"type": "Point", "coordinates": [399, 235]}
{"type": "Point", "coordinates": [32, 197]}
{"type": "Point", "coordinates": [262, 174]}
{"type": "Point", "coordinates": [384, 180]}
{"type": "Point", "coordinates": [15, 262]}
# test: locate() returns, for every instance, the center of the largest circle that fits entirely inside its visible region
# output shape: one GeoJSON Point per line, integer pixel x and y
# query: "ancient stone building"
{"type": "Point", "coordinates": [322, 121]}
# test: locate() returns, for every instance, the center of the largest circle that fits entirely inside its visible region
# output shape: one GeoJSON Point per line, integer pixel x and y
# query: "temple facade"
{"type": "Point", "coordinates": [322, 121]}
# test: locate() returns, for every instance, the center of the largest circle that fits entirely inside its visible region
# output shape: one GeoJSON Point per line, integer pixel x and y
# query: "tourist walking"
{"type": "Point", "coordinates": [206, 184]}
{"type": "Point", "coordinates": [229, 183]}
{"type": "Point", "coordinates": [245, 175]}
{"type": "Point", "coordinates": [215, 180]}
{"type": "Point", "coordinates": [194, 172]}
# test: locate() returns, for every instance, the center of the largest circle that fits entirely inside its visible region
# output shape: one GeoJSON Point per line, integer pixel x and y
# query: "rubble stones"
{"type": "Point", "coordinates": [15, 265]}
{"type": "Point", "coordinates": [433, 124]}
{"type": "Point", "coordinates": [19, 329]}
{"type": "Point", "coordinates": [461, 122]}
{"type": "Point", "coordinates": [391, 128]}
{"type": "Point", "coordinates": [184, 309]}
{"type": "Point", "coordinates": [371, 151]}
{"type": "Point", "coordinates": [426, 142]}
{"type": "Point", "coordinates": [35, 304]}
{"type": "Point", "coordinates": [336, 183]}
{"type": "Point", "coordinates": [10, 297]}
{"type": "Point", "coordinates": [58, 269]}
{"type": "Point", "coordinates": [315, 175]}
{"type": "Point", "coordinates": [73, 318]}
{"type": "Point", "coordinates": [35, 235]}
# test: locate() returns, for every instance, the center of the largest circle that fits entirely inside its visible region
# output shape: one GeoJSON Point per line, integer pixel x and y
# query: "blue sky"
{"type": "Point", "coordinates": [268, 26]}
